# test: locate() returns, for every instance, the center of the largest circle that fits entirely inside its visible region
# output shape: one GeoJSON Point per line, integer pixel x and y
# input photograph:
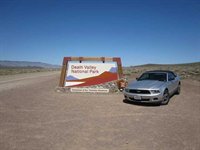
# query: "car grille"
{"type": "Point", "coordinates": [139, 91]}
{"type": "Point", "coordinates": [143, 99]}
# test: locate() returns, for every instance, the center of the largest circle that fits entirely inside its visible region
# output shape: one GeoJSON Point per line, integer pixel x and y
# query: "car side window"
{"type": "Point", "coordinates": [171, 76]}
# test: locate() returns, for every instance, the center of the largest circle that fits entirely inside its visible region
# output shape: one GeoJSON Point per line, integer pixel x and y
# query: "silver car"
{"type": "Point", "coordinates": [153, 87]}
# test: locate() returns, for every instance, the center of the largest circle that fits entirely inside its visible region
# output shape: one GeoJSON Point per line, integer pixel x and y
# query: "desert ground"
{"type": "Point", "coordinates": [33, 116]}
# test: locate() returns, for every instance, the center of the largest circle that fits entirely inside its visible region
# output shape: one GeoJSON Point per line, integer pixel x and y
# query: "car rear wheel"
{"type": "Point", "coordinates": [166, 98]}
{"type": "Point", "coordinates": [178, 91]}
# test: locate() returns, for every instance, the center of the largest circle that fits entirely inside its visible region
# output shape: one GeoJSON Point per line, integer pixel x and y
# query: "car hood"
{"type": "Point", "coordinates": [146, 84]}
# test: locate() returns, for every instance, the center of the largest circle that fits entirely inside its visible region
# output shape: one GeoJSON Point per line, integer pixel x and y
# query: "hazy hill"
{"type": "Point", "coordinates": [187, 70]}
{"type": "Point", "coordinates": [168, 65]}
{"type": "Point", "coordinates": [4, 64]}
{"type": "Point", "coordinates": [18, 67]}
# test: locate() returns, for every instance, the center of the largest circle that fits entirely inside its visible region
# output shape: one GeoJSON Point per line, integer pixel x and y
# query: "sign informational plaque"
{"type": "Point", "coordinates": [90, 90]}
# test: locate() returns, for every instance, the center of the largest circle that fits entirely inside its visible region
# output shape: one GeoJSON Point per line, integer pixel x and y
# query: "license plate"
{"type": "Point", "coordinates": [137, 97]}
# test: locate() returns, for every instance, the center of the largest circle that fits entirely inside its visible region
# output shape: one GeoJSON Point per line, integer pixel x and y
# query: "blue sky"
{"type": "Point", "coordinates": [138, 31]}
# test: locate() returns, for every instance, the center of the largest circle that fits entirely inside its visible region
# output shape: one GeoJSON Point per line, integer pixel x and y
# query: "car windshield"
{"type": "Point", "coordinates": [153, 76]}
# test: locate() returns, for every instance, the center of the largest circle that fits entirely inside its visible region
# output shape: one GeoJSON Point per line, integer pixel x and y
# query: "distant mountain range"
{"type": "Point", "coordinates": [11, 64]}
{"type": "Point", "coordinates": [164, 65]}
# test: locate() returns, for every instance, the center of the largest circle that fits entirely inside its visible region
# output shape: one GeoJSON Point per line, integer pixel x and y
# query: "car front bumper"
{"type": "Point", "coordinates": [143, 98]}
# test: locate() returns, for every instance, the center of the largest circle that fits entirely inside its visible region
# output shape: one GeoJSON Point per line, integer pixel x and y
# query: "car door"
{"type": "Point", "coordinates": [172, 82]}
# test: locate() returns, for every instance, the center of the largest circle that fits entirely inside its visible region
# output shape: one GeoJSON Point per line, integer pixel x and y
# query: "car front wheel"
{"type": "Point", "coordinates": [166, 98]}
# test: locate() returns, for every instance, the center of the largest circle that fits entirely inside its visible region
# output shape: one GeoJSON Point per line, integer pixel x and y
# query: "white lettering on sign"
{"type": "Point", "coordinates": [90, 90]}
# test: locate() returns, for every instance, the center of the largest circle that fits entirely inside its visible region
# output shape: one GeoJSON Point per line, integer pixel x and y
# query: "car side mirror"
{"type": "Point", "coordinates": [171, 79]}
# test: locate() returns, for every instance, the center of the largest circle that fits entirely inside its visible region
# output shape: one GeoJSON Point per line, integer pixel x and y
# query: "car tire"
{"type": "Point", "coordinates": [178, 90]}
{"type": "Point", "coordinates": [166, 97]}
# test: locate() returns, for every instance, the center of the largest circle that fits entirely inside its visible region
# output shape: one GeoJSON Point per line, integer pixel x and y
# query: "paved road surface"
{"type": "Point", "coordinates": [35, 117]}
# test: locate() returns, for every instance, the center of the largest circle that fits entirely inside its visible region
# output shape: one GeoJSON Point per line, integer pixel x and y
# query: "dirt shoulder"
{"type": "Point", "coordinates": [15, 81]}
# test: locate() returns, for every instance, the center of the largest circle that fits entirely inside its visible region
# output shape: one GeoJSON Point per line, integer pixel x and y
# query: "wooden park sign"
{"type": "Point", "coordinates": [89, 71]}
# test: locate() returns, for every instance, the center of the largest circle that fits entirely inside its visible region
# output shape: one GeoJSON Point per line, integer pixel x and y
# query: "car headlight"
{"type": "Point", "coordinates": [155, 91]}
{"type": "Point", "coordinates": [126, 90]}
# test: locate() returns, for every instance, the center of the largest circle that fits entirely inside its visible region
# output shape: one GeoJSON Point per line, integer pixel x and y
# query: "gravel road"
{"type": "Point", "coordinates": [35, 117]}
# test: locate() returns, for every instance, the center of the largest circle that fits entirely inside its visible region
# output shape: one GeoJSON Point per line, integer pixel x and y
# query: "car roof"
{"type": "Point", "coordinates": [163, 71]}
